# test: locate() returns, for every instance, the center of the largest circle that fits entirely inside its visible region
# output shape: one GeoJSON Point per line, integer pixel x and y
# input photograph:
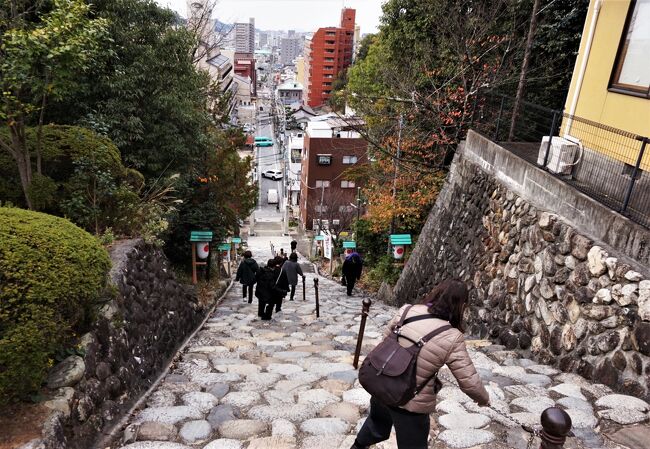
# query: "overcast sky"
{"type": "Point", "coordinates": [301, 15]}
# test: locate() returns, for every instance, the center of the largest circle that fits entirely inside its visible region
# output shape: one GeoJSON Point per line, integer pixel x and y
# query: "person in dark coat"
{"type": "Point", "coordinates": [281, 286]}
{"type": "Point", "coordinates": [246, 274]}
{"type": "Point", "coordinates": [283, 254]}
{"type": "Point", "coordinates": [352, 267]}
{"type": "Point", "coordinates": [293, 269]}
{"type": "Point", "coordinates": [294, 245]}
{"type": "Point", "coordinates": [264, 292]}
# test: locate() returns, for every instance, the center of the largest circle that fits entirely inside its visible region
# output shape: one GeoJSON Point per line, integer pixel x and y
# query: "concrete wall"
{"type": "Point", "coordinates": [551, 272]}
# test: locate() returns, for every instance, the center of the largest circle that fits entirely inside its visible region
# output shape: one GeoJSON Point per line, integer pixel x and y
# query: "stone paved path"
{"type": "Point", "coordinates": [247, 384]}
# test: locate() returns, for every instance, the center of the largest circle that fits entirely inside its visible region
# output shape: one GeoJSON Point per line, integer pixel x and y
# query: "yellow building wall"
{"type": "Point", "coordinates": [300, 70]}
{"type": "Point", "coordinates": [595, 102]}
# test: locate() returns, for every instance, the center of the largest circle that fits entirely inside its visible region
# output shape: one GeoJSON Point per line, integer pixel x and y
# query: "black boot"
{"type": "Point", "coordinates": [357, 446]}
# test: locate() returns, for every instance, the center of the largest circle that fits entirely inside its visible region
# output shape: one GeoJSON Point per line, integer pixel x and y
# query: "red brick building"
{"type": "Point", "coordinates": [244, 65]}
{"type": "Point", "coordinates": [329, 53]}
{"type": "Point", "coordinates": [331, 148]}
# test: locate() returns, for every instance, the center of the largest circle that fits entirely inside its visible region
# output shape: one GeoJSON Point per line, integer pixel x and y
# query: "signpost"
{"type": "Point", "coordinates": [224, 250]}
{"type": "Point", "coordinates": [398, 242]}
{"type": "Point", "coordinates": [200, 241]}
{"type": "Point", "coordinates": [349, 247]}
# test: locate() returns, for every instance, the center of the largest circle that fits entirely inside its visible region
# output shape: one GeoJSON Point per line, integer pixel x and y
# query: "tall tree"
{"type": "Point", "coordinates": [40, 59]}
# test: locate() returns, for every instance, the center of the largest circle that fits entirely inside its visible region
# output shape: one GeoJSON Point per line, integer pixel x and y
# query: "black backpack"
{"type": "Point", "coordinates": [389, 371]}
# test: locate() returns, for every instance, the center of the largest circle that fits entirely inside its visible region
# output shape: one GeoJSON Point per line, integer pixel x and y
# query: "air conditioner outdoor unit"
{"type": "Point", "coordinates": [561, 155]}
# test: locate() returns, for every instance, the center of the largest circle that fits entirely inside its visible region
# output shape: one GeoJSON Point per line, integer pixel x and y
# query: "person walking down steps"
{"type": "Point", "coordinates": [246, 273]}
{"type": "Point", "coordinates": [438, 323]}
{"type": "Point", "coordinates": [264, 292]}
{"type": "Point", "coordinates": [281, 285]}
{"type": "Point", "coordinates": [352, 267]}
{"type": "Point", "coordinates": [293, 269]}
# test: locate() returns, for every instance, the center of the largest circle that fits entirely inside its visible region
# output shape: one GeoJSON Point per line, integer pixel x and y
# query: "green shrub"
{"type": "Point", "coordinates": [83, 179]}
{"type": "Point", "coordinates": [51, 276]}
{"type": "Point", "coordinates": [385, 269]}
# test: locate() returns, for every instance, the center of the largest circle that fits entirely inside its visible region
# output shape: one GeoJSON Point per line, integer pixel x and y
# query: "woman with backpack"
{"type": "Point", "coordinates": [437, 323]}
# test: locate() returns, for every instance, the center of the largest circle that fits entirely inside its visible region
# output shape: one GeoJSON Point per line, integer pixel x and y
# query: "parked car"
{"type": "Point", "coordinates": [272, 174]}
{"type": "Point", "coordinates": [272, 196]}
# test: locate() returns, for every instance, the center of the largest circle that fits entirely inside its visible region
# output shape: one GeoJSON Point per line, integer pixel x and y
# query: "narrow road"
{"type": "Point", "coordinates": [287, 384]}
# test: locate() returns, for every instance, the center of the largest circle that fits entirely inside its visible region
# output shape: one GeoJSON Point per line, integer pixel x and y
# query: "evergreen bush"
{"type": "Point", "coordinates": [52, 274]}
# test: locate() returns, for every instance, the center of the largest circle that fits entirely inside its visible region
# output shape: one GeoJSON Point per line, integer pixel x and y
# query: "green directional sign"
{"type": "Point", "coordinates": [201, 236]}
{"type": "Point", "coordinates": [350, 245]}
{"type": "Point", "coordinates": [223, 247]}
{"type": "Point", "coordinates": [400, 239]}
{"type": "Point", "coordinates": [236, 240]}
{"type": "Point", "coordinates": [319, 238]}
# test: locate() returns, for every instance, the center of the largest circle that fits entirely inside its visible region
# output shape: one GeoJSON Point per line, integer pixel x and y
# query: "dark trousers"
{"type": "Point", "coordinates": [293, 292]}
{"type": "Point", "coordinates": [411, 429]}
{"type": "Point", "coordinates": [249, 289]}
{"type": "Point", "coordinates": [265, 310]}
{"type": "Point", "coordinates": [278, 303]}
{"type": "Point", "coordinates": [349, 282]}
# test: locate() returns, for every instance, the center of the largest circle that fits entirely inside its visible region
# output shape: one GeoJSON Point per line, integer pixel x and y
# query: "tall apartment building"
{"type": "Point", "coordinates": [245, 37]}
{"type": "Point", "coordinates": [330, 53]}
{"type": "Point", "coordinates": [290, 49]}
{"type": "Point", "coordinates": [264, 40]}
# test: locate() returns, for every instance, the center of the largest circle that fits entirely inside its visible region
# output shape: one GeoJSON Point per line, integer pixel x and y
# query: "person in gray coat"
{"type": "Point", "coordinates": [293, 269]}
{"type": "Point", "coordinates": [246, 275]}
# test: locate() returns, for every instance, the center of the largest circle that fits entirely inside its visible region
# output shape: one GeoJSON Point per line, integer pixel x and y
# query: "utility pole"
{"type": "Point", "coordinates": [320, 208]}
{"type": "Point", "coordinates": [358, 203]}
{"type": "Point", "coordinates": [395, 173]}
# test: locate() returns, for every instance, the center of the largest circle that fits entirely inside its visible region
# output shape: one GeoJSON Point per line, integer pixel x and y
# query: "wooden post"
{"type": "Point", "coordinates": [208, 264]}
{"type": "Point", "coordinates": [304, 293]}
{"type": "Point", "coordinates": [316, 292]}
{"type": "Point", "coordinates": [556, 426]}
{"type": "Point", "coordinates": [194, 280]}
{"type": "Point", "coordinates": [365, 308]}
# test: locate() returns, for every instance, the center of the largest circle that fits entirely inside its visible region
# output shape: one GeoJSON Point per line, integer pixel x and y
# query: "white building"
{"type": "Point", "coordinates": [296, 150]}
{"type": "Point", "coordinates": [290, 92]}
{"type": "Point", "coordinates": [245, 37]}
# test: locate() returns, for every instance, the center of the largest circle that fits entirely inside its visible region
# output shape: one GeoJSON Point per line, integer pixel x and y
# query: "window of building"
{"type": "Point", "coordinates": [631, 73]}
{"type": "Point", "coordinates": [322, 183]}
{"type": "Point", "coordinates": [347, 209]}
{"type": "Point", "coordinates": [319, 208]}
{"type": "Point", "coordinates": [349, 159]}
{"type": "Point", "coordinates": [324, 159]}
{"type": "Point", "coordinates": [329, 67]}
{"type": "Point", "coordinates": [347, 184]}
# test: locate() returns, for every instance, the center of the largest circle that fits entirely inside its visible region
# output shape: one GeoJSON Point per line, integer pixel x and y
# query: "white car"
{"type": "Point", "coordinates": [272, 174]}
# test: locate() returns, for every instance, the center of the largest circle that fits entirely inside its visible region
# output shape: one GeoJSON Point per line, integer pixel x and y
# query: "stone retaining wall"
{"type": "Point", "coordinates": [133, 339]}
{"type": "Point", "coordinates": [538, 284]}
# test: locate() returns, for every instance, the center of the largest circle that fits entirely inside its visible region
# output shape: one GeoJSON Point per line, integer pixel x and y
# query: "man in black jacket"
{"type": "Point", "coordinates": [281, 286]}
{"type": "Point", "coordinates": [246, 274]}
{"type": "Point", "coordinates": [352, 267]}
{"type": "Point", "coordinates": [266, 279]}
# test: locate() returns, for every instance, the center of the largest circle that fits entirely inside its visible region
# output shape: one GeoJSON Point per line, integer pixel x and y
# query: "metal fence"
{"type": "Point", "coordinates": [610, 165]}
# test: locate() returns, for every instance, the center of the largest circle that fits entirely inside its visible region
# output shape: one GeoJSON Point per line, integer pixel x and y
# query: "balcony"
{"type": "Point", "coordinates": [610, 165]}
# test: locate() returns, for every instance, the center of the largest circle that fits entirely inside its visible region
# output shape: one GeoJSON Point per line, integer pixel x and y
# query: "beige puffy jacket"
{"type": "Point", "coordinates": [447, 348]}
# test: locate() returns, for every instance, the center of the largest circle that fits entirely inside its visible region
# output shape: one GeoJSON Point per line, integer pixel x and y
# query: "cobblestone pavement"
{"type": "Point", "coordinates": [246, 384]}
